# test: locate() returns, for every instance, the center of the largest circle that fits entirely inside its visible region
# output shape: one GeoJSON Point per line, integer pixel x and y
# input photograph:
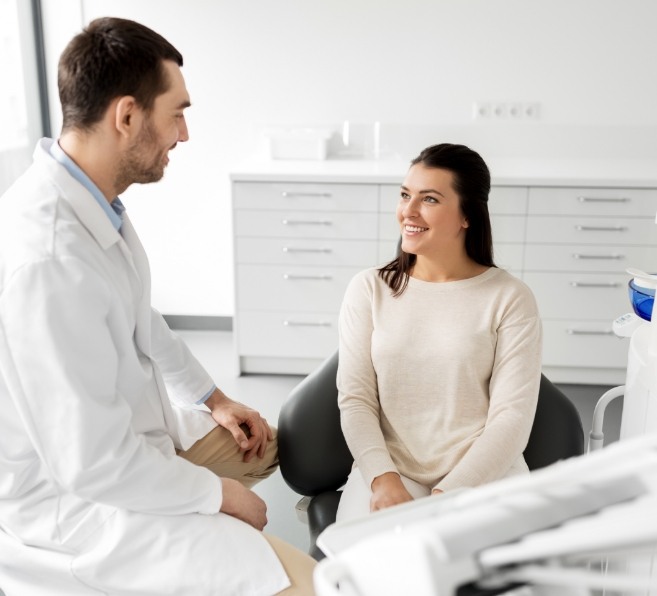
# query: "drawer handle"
{"type": "Point", "coordinates": [306, 222]}
{"type": "Point", "coordinates": [293, 277]}
{"type": "Point", "coordinates": [289, 323]}
{"type": "Point", "coordinates": [292, 195]}
{"type": "Point", "coordinates": [603, 257]}
{"type": "Point", "coordinates": [312, 250]}
{"type": "Point", "coordinates": [603, 199]}
{"type": "Point", "coordinates": [601, 228]}
{"type": "Point", "coordinates": [589, 332]}
{"type": "Point", "coordinates": [587, 284]}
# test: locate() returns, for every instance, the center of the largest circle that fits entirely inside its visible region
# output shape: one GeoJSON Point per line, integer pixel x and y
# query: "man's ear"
{"type": "Point", "coordinates": [126, 114]}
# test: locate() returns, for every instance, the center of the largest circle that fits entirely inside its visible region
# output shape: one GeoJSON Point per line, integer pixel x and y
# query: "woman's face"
{"type": "Point", "coordinates": [429, 212]}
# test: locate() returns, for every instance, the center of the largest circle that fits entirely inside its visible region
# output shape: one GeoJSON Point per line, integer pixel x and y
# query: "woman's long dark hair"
{"type": "Point", "coordinates": [472, 185]}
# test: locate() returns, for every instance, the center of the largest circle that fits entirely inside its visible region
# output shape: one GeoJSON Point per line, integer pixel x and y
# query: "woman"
{"type": "Point", "coordinates": [440, 351]}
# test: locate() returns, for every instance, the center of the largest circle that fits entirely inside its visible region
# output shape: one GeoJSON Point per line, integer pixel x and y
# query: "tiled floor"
{"type": "Point", "coordinates": [267, 392]}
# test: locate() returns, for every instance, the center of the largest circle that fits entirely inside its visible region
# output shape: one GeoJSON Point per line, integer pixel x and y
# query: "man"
{"type": "Point", "coordinates": [107, 486]}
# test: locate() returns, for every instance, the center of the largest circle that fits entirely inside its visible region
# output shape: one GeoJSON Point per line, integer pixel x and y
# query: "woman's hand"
{"type": "Point", "coordinates": [388, 490]}
{"type": "Point", "coordinates": [250, 430]}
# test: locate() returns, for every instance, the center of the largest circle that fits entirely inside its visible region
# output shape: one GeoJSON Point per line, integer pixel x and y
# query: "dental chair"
{"type": "Point", "coordinates": [315, 461]}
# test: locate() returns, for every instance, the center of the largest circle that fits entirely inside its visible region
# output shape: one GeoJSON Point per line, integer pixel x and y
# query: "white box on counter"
{"type": "Point", "coordinates": [300, 143]}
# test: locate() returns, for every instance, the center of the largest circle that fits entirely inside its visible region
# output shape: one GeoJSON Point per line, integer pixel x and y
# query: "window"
{"type": "Point", "coordinates": [22, 113]}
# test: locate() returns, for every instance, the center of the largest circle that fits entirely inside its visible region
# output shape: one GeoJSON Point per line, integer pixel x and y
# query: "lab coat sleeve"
{"type": "Point", "coordinates": [60, 357]}
{"type": "Point", "coordinates": [186, 379]}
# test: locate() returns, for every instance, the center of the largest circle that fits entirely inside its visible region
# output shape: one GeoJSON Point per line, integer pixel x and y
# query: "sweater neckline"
{"type": "Point", "coordinates": [454, 285]}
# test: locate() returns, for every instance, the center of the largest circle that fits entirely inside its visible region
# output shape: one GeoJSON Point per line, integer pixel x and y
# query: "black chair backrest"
{"type": "Point", "coordinates": [314, 456]}
{"type": "Point", "coordinates": [557, 431]}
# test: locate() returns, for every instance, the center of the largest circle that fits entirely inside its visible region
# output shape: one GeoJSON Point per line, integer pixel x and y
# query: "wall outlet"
{"type": "Point", "coordinates": [506, 110]}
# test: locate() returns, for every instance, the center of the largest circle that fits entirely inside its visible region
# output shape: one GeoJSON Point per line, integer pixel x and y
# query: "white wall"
{"type": "Point", "coordinates": [414, 65]}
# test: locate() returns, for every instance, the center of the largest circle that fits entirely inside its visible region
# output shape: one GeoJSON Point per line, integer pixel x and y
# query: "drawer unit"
{"type": "Point", "coordinates": [288, 334]}
{"type": "Point", "coordinates": [295, 196]}
{"type": "Point", "coordinates": [580, 241]}
{"type": "Point", "coordinates": [585, 258]}
{"type": "Point", "coordinates": [580, 296]}
{"type": "Point", "coordinates": [305, 251]}
{"type": "Point", "coordinates": [590, 344]}
{"type": "Point", "coordinates": [302, 289]}
{"type": "Point", "coordinates": [600, 202]}
{"type": "Point", "coordinates": [298, 244]}
{"type": "Point", "coordinates": [589, 230]}
{"type": "Point", "coordinates": [305, 224]}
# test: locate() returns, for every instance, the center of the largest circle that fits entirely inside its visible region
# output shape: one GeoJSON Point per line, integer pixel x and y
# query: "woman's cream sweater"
{"type": "Point", "coordinates": [441, 383]}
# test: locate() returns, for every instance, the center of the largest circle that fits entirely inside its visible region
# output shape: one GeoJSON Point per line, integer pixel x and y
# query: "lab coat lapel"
{"type": "Point", "coordinates": [136, 255]}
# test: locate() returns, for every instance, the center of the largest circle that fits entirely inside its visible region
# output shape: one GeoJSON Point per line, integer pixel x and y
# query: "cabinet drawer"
{"type": "Point", "coordinates": [592, 259]}
{"type": "Point", "coordinates": [284, 251]}
{"type": "Point", "coordinates": [501, 200]}
{"type": "Point", "coordinates": [387, 251]}
{"type": "Point", "coordinates": [593, 201]}
{"type": "Point", "coordinates": [592, 230]}
{"type": "Point", "coordinates": [583, 344]}
{"type": "Point", "coordinates": [300, 289]}
{"type": "Point", "coordinates": [583, 296]}
{"type": "Point", "coordinates": [287, 334]}
{"type": "Point", "coordinates": [305, 224]}
{"type": "Point", "coordinates": [305, 196]}
{"type": "Point", "coordinates": [506, 228]}
{"type": "Point", "coordinates": [509, 256]}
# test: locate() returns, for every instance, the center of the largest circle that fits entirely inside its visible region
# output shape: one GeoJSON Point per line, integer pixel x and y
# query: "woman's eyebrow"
{"type": "Point", "coordinates": [426, 191]}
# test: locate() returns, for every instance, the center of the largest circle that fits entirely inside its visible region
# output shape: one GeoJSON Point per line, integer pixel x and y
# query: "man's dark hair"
{"type": "Point", "coordinates": [111, 58]}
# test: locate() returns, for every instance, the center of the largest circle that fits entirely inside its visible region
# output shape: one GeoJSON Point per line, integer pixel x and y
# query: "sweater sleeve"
{"type": "Point", "coordinates": [513, 394]}
{"type": "Point", "coordinates": [357, 381]}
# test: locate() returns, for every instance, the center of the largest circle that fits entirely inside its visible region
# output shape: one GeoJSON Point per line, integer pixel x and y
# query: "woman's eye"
{"type": "Point", "coordinates": [405, 196]}
{"type": "Point", "coordinates": [430, 199]}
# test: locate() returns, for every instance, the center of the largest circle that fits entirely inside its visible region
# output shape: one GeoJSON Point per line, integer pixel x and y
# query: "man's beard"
{"type": "Point", "coordinates": [142, 163]}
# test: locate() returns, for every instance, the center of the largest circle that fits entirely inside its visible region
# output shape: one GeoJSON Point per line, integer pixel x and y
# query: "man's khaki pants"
{"type": "Point", "coordinates": [219, 452]}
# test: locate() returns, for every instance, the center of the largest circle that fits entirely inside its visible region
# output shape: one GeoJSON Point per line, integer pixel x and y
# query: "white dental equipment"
{"type": "Point", "coordinates": [545, 530]}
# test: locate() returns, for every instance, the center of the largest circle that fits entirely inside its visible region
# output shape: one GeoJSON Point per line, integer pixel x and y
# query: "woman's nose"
{"type": "Point", "coordinates": [411, 208]}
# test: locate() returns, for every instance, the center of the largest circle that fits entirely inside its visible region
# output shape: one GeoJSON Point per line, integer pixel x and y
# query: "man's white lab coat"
{"type": "Point", "coordinates": [93, 498]}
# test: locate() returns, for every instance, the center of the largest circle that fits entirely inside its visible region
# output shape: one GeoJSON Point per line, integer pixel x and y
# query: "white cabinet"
{"type": "Point", "coordinates": [298, 243]}
{"type": "Point", "coordinates": [579, 243]}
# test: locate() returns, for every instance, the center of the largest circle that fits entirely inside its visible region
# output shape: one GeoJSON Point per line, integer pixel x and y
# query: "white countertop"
{"type": "Point", "coordinates": [504, 172]}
